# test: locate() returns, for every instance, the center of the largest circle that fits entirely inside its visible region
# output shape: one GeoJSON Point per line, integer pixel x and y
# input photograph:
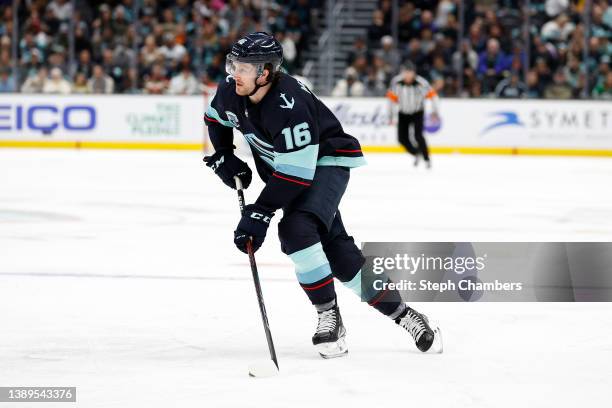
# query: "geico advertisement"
{"type": "Point", "coordinates": [127, 117]}
{"type": "Point", "coordinates": [502, 123]}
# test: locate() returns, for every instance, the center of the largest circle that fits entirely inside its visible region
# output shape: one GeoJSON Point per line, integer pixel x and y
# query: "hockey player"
{"type": "Point", "coordinates": [304, 157]}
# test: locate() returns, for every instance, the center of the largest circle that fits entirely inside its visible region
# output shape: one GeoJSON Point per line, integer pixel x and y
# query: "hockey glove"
{"type": "Point", "coordinates": [227, 166]}
{"type": "Point", "coordinates": [253, 224]}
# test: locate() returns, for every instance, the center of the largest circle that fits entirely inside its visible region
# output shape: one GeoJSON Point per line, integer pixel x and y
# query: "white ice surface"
{"type": "Point", "coordinates": [118, 276]}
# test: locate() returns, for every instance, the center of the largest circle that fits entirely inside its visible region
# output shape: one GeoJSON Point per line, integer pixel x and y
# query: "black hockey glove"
{"type": "Point", "coordinates": [227, 166]}
{"type": "Point", "coordinates": [254, 223]}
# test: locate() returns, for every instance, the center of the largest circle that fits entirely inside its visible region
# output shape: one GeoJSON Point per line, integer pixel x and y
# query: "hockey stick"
{"type": "Point", "coordinates": [260, 300]}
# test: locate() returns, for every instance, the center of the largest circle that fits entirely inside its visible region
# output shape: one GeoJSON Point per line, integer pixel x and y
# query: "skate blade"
{"type": "Point", "coordinates": [333, 349]}
{"type": "Point", "coordinates": [437, 347]}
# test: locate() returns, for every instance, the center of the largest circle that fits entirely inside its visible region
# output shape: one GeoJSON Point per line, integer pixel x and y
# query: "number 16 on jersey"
{"type": "Point", "coordinates": [300, 136]}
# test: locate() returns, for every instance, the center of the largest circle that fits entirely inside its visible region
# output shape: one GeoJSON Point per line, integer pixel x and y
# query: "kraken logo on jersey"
{"type": "Point", "coordinates": [265, 150]}
{"type": "Point", "coordinates": [288, 105]}
{"type": "Point", "coordinates": [231, 116]}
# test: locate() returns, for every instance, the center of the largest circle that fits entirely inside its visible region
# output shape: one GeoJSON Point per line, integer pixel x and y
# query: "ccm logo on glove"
{"type": "Point", "coordinates": [253, 226]}
{"type": "Point", "coordinates": [227, 166]}
{"type": "Point", "coordinates": [262, 217]}
{"type": "Point", "coordinates": [214, 166]}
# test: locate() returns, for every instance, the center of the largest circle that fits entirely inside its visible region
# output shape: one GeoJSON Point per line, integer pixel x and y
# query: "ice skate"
{"type": "Point", "coordinates": [329, 339]}
{"type": "Point", "coordinates": [417, 324]}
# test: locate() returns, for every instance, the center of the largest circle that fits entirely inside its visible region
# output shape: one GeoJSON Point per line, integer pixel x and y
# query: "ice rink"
{"type": "Point", "coordinates": [118, 275]}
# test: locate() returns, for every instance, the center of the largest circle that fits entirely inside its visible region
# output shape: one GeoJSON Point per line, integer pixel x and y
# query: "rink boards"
{"type": "Point", "coordinates": [483, 126]}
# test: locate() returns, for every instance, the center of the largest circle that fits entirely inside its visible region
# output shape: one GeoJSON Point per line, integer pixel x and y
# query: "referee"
{"type": "Point", "coordinates": [409, 91]}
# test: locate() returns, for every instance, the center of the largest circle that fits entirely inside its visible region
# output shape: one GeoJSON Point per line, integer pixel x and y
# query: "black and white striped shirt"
{"type": "Point", "coordinates": [411, 97]}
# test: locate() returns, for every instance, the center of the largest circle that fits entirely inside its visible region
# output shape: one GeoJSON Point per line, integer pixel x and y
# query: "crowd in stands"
{"type": "Point", "coordinates": [491, 60]}
{"type": "Point", "coordinates": [180, 46]}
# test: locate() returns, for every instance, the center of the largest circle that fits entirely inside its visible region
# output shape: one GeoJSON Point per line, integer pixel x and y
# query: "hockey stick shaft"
{"type": "Point", "coordinates": [260, 300]}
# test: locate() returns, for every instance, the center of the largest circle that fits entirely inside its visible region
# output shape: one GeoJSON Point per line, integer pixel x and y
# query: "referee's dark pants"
{"type": "Point", "coordinates": [405, 120]}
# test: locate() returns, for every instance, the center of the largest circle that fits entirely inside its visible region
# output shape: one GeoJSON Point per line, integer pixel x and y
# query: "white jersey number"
{"type": "Point", "coordinates": [298, 138]}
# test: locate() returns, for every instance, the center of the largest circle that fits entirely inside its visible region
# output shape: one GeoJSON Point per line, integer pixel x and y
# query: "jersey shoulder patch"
{"type": "Point", "coordinates": [224, 103]}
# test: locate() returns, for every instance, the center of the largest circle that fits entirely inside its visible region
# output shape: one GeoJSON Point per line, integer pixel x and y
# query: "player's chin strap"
{"type": "Point", "coordinates": [257, 86]}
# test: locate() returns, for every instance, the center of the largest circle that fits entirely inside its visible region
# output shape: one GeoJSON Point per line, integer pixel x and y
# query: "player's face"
{"type": "Point", "coordinates": [244, 74]}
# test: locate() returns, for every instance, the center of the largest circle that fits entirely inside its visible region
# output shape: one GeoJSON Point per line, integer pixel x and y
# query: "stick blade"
{"type": "Point", "coordinates": [263, 369]}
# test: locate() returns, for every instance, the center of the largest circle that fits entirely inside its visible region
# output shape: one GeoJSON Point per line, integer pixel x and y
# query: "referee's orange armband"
{"type": "Point", "coordinates": [393, 96]}
{"type": "Point", "coordinates": [431, 94]}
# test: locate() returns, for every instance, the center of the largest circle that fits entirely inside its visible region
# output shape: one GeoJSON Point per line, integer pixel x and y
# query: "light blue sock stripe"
{"type": "Point", "coordinates": [314, 275]}
{"type": "Point", "coordinates": [310, 258]}
{"type": "Point", "coordinates": [355, 284]}
{"type": "Point", "coordinates": [311, 264]}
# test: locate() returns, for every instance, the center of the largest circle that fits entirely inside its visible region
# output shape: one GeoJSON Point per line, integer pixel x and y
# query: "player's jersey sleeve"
{"type": "Point", "coordinates": [295, 136]}
{"type": "Point", "coordinates": [219, 126]}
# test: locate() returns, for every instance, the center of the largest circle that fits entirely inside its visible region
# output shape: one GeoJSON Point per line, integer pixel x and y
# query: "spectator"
{"type": "Point", "coordinates": [31, 64]}
{"type": "Point", "coordinates": [80, 84]}
{"type": "Point", "coordinates": [603, 68]}
{"type": "Point", "coordinates": [111, 66]}
{"type": "Point", "coordinates": [559, 89]}
{"type": "Point", "coordinates": [360, 65]}
{"type": "Point", "coordinates": [389, 55]}
{"type": "Point", "coordinates": [444, 12]}
{"type": "Point", "coordinates": [465, 58]}
{"type": "Point", "coordinates": [573, 75]}
{"type": "Point", "coordinates": [378, 29]}
{"type": "Point", "coordinates": [544, 72]}
{"type": "Point", "coordinates": [492, 63]}
{"type": "Point", "coordinates": [604, 90]}
{"type": "Point", "coordinates": [207, 87]}
{"type": "Point", "coordinates": [7, 82]}
{"type": "Point", "coordinates": [534, 86]}
{"type": "Point", "coordinates": [119, 22]}
{"type": "Point", "coordinates": [477, 37]}
{"type": "Point", "coordinates": [407, 23]}
{"type": "Point", "coordinates": [555, 7]}
{"type": "Point", "coordinates": [438, 72]}
{"type": "Point", "coordinates": [57, 84]}
{"type": "Point", "coordinates": [171, 50]}
{"type": "Point", "coordinates": [377, 79]}
{"type": "Point", "coordinates": [168, 25]}
{"type": "Point", "coordinates": [150, 53]}
{"type": "Point", "coordinates": [359, 49]}
{"type": "Point", "coordinates": [184, 83]}
{"type": "Point", "coordinates": [35, 83]}
{"type": "Point", "coordinates": [350, 85]}
{"type": "Point", "coordinates": [100, 82]}
{"type": "Point", "coordinates": [84, 63]}
{"type": "Point", "coordinates": [289, 50]}
{"type": "Point", "coordinates": [415, 54]}
{"type": "Point", "coordinates": [61, 9]}
{"type": "Point", "coordinates": [558, 30]}
{"type": "Point", "coordinates": [81, 41]}
{"type": "Point", "coordinates": [131, 82]}
{"type": "Point", "coordinates": [233, 14]}
{"type": "Point", "coordinates": [511, 88]}
{"type": "Point", "coordinates": [156, 83]}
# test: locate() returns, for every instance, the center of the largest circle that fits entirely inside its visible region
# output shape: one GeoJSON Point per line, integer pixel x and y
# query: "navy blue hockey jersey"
{"type": "Point", "coordinates": [290, 132]}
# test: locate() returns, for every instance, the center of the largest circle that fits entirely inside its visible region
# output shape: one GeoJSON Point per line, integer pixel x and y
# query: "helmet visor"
{"type": "Point", "coordinates": [243, 69]}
